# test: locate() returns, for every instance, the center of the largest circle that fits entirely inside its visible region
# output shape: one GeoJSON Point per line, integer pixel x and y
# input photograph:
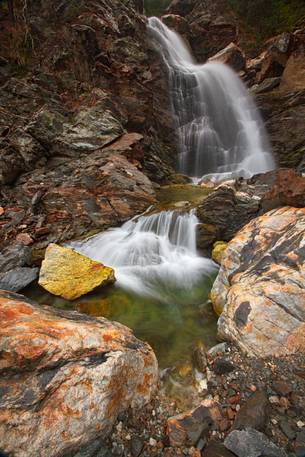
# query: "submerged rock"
{"type": "Point", "coordinates": [65, 377]}
{"type": "Point", "coordinates": [70, 275]}
{"type": "Point", "coordinates": [261, 284]}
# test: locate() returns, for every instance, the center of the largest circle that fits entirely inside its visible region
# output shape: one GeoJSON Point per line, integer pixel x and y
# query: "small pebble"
{"type": "Point", "coordinates": [152, 442]}
{"type": "Point", "coordinates": [274, 400]}
{"type": "Point", "coordinates": [300, 424]}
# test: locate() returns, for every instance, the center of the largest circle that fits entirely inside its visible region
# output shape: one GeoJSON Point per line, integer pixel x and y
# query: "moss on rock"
{"type": "Point", "coordinates": [218, 251]}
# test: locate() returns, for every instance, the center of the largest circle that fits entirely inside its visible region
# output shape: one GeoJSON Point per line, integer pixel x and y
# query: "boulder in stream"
{"type": "Point", "coordinates": [232, 205]}
{"type": "Point", "coordinates": [70, 275]}
{"type": "Point", "coordinates": [65, 377]}
{"type": "Point", "coordinates": [261, 285]}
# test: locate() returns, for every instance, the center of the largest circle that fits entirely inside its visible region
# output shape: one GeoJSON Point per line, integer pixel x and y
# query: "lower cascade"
{"type": "Point", "coordinates": [153, 255]}
{"type": "Point", "coordinates": [220, 131]}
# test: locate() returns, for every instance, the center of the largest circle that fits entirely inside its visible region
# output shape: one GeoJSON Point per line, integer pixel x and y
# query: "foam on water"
{"type": "Point", "coordinates": [153, 255]}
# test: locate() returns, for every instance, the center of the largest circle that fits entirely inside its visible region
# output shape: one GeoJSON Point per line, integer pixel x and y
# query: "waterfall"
{"type": "Point", "coordinates": [220, 131]}
{"type": "Point", "coordinates": [152, 255]}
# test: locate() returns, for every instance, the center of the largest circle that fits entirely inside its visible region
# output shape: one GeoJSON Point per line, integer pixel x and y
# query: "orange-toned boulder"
{"type": "Point", "coordinates": [261, 285]}
{"type": "Point", "coordinates": [65, 377]}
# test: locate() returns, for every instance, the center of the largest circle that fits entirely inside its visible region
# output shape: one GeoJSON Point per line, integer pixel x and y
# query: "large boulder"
{"type": "Point", "coordinates": [231, 206]}
{"type": "Point", "coordinates": [261, 283]}
{"type": "Point", "coordinates": [70, 275]}
{"type": "Point", "coordinates": [65, 377]}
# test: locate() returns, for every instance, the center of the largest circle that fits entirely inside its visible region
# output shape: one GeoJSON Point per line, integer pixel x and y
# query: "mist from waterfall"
{"type": "Point", "coordinates": [220, 131]}
{"type": "Point", "coordinates": [153, 255]}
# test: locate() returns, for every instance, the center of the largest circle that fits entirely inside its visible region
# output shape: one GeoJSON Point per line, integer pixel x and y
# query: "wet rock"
{"type": "Point", "coordinates": [65, 377]}
{"type": "Point", "coordinates": [17, 279]}
{"type": "Point", "coordinates": [253, 414]}
{"type": "Point", "coordinates": [16, 255]}
{"type": "Point", "coordinates": [232, 55]}
{"type": "Point", "coordinates": [251, 443]}
{"type": "Point", "coordinates": [261, 281]}
{"type": "Point", "coordinates": [178, 23]}
{"type": "Point", "coordinates": [68, 274]}
{"type": "Point", "coordinates": [230, 207]}
{"type": "Point", "coordinates": [187, 428]}
{"type": "Point", "coordinates": [15, 272]}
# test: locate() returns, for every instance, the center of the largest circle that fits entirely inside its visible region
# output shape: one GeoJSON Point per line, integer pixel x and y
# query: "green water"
{"type": "Point", "coordinates": [171, 329]}
{"type": "Point", "coordinates": [175, 193]}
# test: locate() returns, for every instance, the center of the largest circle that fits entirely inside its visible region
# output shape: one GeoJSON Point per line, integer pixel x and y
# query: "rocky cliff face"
{"type": "Point", "coordinates": [83, 115]}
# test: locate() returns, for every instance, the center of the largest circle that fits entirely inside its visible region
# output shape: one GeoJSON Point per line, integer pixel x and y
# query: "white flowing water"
{"type": "Point", "coordinates": [153, 255]}
{"type": "Point", "coordinates": [220, 131]}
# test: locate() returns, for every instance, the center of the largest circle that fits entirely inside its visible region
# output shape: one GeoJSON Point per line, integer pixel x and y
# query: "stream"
{"type": "Point", "coordinates": [162, 285]}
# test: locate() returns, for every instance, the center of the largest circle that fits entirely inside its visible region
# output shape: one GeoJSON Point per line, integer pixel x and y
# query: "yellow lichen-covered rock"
{"type": "Point", "coordinates": [217, 305]}
{"type": "Point", "coordinates": [219, 250]}
{"type": "Point", "coordinates": [70, 275]}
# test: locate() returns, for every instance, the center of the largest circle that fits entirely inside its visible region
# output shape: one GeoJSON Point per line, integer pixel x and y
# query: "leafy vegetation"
{"type": "Point", "coordinates": [155, 7]}
{"type": "Point", "coordinates": [270, 17]}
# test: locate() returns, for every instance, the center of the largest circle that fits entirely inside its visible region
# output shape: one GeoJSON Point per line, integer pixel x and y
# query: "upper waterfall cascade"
{"type": "Point", "coordinates": [220, 131]}
{"type": "Point", "coordinates": [152, 255]}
